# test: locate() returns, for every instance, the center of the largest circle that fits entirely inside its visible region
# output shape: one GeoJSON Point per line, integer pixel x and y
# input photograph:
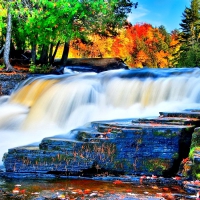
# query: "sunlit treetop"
{"type": "Point", "coordinates": [64, 20]}
{"type": "Point", "coordinates": [3, 14]}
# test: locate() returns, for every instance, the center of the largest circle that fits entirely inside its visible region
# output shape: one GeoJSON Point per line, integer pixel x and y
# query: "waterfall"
{"type": "Point", "coordinates": [53, 105]}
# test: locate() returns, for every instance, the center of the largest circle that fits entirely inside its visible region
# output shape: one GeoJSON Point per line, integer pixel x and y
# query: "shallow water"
{"type": "Point", "coordinates": [84, 189]}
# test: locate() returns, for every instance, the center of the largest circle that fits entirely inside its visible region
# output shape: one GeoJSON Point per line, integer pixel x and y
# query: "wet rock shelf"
{"type": "Point", "coordinates": [153, 146]}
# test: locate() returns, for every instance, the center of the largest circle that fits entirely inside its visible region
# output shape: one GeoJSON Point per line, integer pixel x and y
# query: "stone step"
{"type": "Point", "coordinates": [121, 146]}
{"type": "Point", "coordinates": [54, 143]}
{"type": "Point", "coordinates": [129, 146]}
{"type": "Point", "coordinates": [169, 121]}
{"type": "Point", "coordinates": [115, 126]}
{"type": "Point", "coordinates": [183, 114]}
{"type": "Point", "coordinates": [29, 159]}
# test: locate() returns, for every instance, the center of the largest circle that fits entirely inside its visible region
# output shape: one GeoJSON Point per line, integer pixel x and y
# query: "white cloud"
{"type": "Point", "coordinates": [137, 14]}
{"type": "Point", "coordinates": [143, 15]}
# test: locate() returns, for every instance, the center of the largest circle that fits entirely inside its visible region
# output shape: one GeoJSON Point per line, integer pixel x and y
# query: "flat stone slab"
{"type": "Point", "coordinates": [115, 147]}
{"type": "Point", "coordinates": [169, 121]}
{"type": "Point", "coordinates": [185, 114]}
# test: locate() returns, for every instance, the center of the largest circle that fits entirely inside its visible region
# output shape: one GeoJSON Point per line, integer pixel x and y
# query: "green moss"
{"type": "Point", "coordinates": [196, 171]}
{"type": "Point", "coordinates": [156, 164]}
{"type": "Point", "coordinates": [82, 135]}
{"type": "Point", "coordinates": [198, 176]}
{"type": "Point", "coordinates": [188, 129]}
{"type": "Point", "coordinates": [2, 66]}
{"type": "Point", "coordinates": [57, 159]}
{"type": "Point", "coordinates": [195, 139]}
{"type": "Point", "coordinates": [165, 133]}
{"type": "Point", "coordinates": [175, 156]}
{"type": "Point", "coordinates": [39, 68]}
{"type": "Point", "coordinates": [195, 166]}
{"type": "Point", "coordinates": [191, 153]}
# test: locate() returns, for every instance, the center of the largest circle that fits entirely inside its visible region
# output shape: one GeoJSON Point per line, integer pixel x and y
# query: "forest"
{"type": "Point", "coordinates": [42, 31]}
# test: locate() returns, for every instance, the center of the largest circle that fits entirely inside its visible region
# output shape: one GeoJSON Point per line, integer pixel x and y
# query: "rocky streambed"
{"type": "Point", "coordinates": [9, 81]}
{"type": "Point", "coordinates": [89, 189]}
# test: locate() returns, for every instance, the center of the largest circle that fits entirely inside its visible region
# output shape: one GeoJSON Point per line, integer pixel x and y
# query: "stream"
{"type": "Point", "coordinates": [55, 104]}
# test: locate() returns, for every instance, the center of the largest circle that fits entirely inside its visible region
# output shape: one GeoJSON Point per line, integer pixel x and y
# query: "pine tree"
{"type": "Point", "coordinates": [189, 36]}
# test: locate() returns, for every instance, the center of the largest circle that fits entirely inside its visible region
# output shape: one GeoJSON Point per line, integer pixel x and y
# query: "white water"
{"type": "Point", "coordinates": [53, 105]}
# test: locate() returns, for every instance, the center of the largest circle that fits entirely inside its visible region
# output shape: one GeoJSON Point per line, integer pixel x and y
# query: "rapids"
{"type": "Point", "coordinates": [55, 104]}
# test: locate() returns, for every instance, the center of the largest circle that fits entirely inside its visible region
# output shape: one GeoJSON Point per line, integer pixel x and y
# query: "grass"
{"type": "Point", "coordinates": [2, 66]}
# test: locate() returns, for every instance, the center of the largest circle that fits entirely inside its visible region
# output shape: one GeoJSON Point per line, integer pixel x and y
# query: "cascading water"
{"type": "Point", "coordinates": [53, 105]}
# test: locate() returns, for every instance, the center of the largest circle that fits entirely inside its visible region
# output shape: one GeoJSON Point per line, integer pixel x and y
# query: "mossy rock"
{"type": "Point", "coordinates": [194, 155]}
{"type": "Point", "coordinates": [196, 138]}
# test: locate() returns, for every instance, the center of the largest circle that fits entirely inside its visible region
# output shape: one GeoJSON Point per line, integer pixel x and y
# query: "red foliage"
{"type": "Point", "coordinates": [140, 45]}
{"type": "Point", "coordinates": [118, 182]}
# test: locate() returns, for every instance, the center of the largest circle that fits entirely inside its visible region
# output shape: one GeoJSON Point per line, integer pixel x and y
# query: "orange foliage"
{"type": "Point", "coordinates": [141, 58]}
{"type": "Point", "coordinates": [162, 60]}
{"type": "Point", "coordinates": [174, 48]}
{"type": "Point", "coordinates": [138, 45]}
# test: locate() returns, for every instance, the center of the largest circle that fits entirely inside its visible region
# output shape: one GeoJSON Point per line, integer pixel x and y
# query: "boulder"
{"type": "Point", "coordinates": [95, 64]}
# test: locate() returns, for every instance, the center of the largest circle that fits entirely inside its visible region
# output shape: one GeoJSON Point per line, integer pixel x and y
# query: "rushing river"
{"type": "Point", "coordinates": [55, 104]}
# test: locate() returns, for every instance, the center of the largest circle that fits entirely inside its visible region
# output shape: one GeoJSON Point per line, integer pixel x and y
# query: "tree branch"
{"type": "Point", "coordinates": [2, 49]}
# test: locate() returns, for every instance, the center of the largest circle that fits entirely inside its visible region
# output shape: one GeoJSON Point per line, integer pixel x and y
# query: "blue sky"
{"type": "Point", "coordinates": [159, 12]}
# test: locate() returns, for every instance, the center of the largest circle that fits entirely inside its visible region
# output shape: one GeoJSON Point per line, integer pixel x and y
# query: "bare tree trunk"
{"type": "Point", "coordinates": [54, 53]}
{"type": "Point", "coordinates": [33, 52]}
{"type": "Point", "coordinates": [65, 54]}
{"type": "Point", "coordinates": [50, 52]}
{"type": "Point", "coordinates": [2, 42]}
{"type": "Point", "coordinates": [7, 43]}
{"type": "Point", "coordinates": [1, 50]}
{"type": "Point", "coordinates": [44, 54]}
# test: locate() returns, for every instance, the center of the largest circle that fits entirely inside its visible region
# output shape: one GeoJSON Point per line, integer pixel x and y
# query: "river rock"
{"type": "Point", "coordinates": [95, 64]}
{"type": "Point", "coordinates": [10, 81]}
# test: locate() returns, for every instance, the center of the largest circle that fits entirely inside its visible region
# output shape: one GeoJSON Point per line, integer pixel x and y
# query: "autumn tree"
{"type": "Point", "coordinates": [138, 45]}
{"type": "Point", "coordinates": [148, 46]}
{"type": "Point", "coordinates": [174, 48]}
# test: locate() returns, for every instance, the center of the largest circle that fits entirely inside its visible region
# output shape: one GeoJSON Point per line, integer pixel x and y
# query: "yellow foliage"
{"type": "Point", "coordinates": [139, 45]}
{"type": "Point", "coordinates": [162, 59]}
{"type": "Point", "coordinates": [3, 12]}
{"type": "Point", "coordinates": [142, 56]}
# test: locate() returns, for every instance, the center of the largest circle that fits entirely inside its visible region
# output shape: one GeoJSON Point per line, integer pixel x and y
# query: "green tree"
{"type": "Point", "coordinates": [8, 40]}
{"type": "Point", "coordinates": [3, 14]}
{"type": "Point", "coordinates": [191, 57]}
{"type": "Point", "coordinates": [46, 24]}
{"type": "Point", "coordinates": [189, 36]}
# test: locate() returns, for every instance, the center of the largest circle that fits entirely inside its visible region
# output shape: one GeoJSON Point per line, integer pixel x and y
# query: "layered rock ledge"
{"type": "Point", "coordinates": [150, 147]}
